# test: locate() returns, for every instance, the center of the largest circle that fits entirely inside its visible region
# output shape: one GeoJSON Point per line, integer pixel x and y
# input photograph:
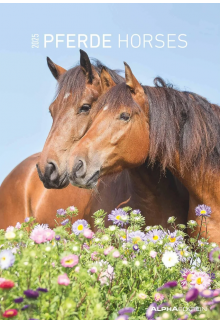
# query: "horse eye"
{"type": "Point", "coordinates": [84, 108]}
{"type": "Point", "coordinates": [125, 116]}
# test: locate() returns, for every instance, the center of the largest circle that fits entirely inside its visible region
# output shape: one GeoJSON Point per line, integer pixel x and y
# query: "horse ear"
{"type": "Point", "coordinates": [56, 70]}
{"type": "Point", "coordinates": [86, 65]}
{"type": "Point", "coordinates": [131, 81]}
{"type": "Point", "coordinates": [106, 80]}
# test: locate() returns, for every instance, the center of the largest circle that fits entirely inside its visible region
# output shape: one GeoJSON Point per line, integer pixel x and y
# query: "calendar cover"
{"type": "Point", "coordinates": [110, 161]}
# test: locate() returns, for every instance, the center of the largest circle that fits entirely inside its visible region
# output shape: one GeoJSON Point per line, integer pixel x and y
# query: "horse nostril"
{"type": "Point", "coordinates": [79, 170]}
{"type": "Point", "coordinates": [51, 171]}
{"type": "Point", "coordinates": [79, 165]}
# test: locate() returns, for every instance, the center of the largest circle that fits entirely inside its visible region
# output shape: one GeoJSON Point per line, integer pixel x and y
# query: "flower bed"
{"type": "Point", "coordinates": [119, 272]}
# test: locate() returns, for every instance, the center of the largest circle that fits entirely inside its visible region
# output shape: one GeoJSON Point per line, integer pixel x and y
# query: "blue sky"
{"type": "Point", "coordinates": [27, 87]}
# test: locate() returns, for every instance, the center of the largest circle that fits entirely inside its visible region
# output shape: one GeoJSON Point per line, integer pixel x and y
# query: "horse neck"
{"type": "Point", "coordinates": [157, 196]}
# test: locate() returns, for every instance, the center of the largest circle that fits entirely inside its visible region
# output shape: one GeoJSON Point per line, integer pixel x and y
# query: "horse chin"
{"type": "Point", "coordinates": [61, 185]}
{"type": "Point", "coordinates": [88, 182]}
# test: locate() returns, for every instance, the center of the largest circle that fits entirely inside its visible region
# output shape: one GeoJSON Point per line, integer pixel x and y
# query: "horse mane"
{"type": "Point", "coordinates": [183, 122]}
{"type": "Point", "coordinates": [74, 80]}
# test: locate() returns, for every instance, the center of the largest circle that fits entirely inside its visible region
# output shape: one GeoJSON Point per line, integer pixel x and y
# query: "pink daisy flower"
{"type": "Point", "coordinates": [158, 297]}
{"type": "Point", "coordinates": [70, 261]}
{"type": "Point", "coordinates": [200, 280]}
{"type": "Point", "coordinates": [38, 235]}
{"type": "Point", "coordinates": [187, 275]}
{"type": "Point", "coordinates": [9, 229]}
{"type": "Point", "coordinates": [88, 233]}
{"type": "Point", "coordinates": [93, 256]}
{"type": "Point", "coordinates": [50, 234]}
{"type": "Point", "coordinates": [108, 250]}
{"type": "Point", "coordinates": [63, 280]}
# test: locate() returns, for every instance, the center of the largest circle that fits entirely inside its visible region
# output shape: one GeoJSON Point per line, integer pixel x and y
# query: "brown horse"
{"type": "Point", "coordinates": [147, 189]}
{"type": "Point", "coordinates": [181, 130]}
{"type": "Point", "coordinates": [22, 194]}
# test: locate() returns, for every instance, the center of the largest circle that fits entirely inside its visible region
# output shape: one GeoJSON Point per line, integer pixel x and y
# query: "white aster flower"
{"type": "Point", "coordinates": [170, 259]}
{"type": "Point", "coordinates": [41, 226]}
{"type": "Point", "coordinates": [105, 238]}
{"type": "Point", "coordinates": [192, 222]}
{"type": "Point", "coordinates": [7, 259]}
{"type": "Point", "coordinates": [112, 228]}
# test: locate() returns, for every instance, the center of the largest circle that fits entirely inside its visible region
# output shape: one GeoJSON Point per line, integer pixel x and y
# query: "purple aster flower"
{"type": "Point", "coordinates": [166, 304]}
{"type": "Point", "coordinates": [207, 293]}
{"type": "Point", "coordinates": [42, 290]}
{"type": "Point", "coordinates": [135, 237]}
{"type": "Point", "coordinates": [118, 217]}
{"type": "Point", "coordinates": [31, 293]}
{"type": "Point", "coordinates": [168, 285]}
{"type": "Point", "coordinates": [27, 219]}
{"type": "Point", "coordinates": [214, 255]}
{"type": "Point", "coordinates": [18, 300]}
{"type": "Point", "coordinates": [192, 294]}
{"type": "Point", "coordinates": [66, 221]}
{"type": "Point", "coordinates": [25, 307]}
{"type": "Point", "coordinates": [122, 234]}
{"type": "Point", "coordinates": [61, 212]}
{"type": "Point", "coordinates": [212, 307]}
{"type": "Point", "coordinates": [181, 254]}
{"type": "Point", "coordinates": [154, 235]}
{"type": "Point", "coordinates": [85, 246]}
{"type": "Point", "coordinates": [203, 210]}
{"type": "Point", "coordinates": [79, 226]}
{"type": "Point", "coordinates": [194, 310]}
{"type": "Point", "coordinates": [135, 247]}
{"type": "Point", "coordinates": [174, 239]}
{"type": "Point", "coordinates": [211, 275]}
{"type": "Point", "coordinates": [216, 300]}
{"type": "Point", "coordinates": [57, 237]}
{"type": "Point", "coordinates": [18, 225]}
{"type": "Point", "coordinates": [122, 317]}
{"type": "Point", "coordinates": [151, 311]}
{"type": "Point", "coordinates": [202, 243]}
{"type": "Point", "coordinates": [126, 311]}
{"type": "Point", "coordinates": [136, 211]}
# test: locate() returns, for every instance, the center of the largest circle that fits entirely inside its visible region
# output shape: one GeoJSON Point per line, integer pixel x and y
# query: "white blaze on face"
{"type": "Point", "coordinates": [105, 108]}
{"type": "Point", "coordinates": [66, 95]}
